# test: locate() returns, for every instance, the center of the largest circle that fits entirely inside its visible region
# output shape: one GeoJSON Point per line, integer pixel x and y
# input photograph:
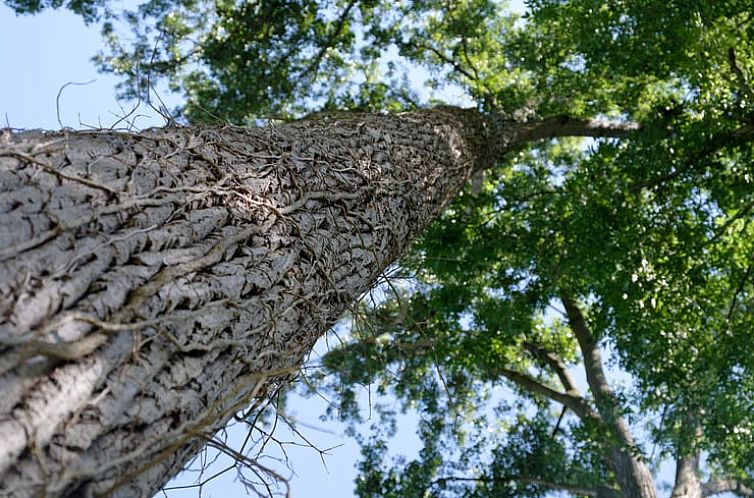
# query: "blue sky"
{"type": "Point", "coordinates": [42, 53]}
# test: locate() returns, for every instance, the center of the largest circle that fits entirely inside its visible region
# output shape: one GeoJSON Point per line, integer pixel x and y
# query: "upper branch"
{"type": "Point", "coordinates": [489, 137]}
{"type": "Point", "coordinates": [552, 361]}
{"type": "Point", "coordinates": [565, 126]}
{"type": "Point", "coordinates": [595, 374]}
{"type": "Point", "coordinates": [740, 77]}
{"type": "Point", "coordinates": [570, 400]}
{"type": "Point", "coordinates": [502, 133]}
{"type": "Point", "coordinates": [340, 24]}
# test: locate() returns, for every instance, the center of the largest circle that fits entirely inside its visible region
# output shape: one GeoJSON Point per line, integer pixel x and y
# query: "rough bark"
{"type": "Point", "coordinates": [153, 284]}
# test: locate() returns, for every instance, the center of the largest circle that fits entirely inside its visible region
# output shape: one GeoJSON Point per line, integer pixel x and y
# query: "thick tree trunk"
{"type": "Point", "coordinates": [152, 285]}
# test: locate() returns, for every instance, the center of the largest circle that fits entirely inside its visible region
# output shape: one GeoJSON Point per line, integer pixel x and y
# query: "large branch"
{"type": "Point", "coordinates": [719, 486]}
{"type": "Point", "coordinates": [595, 373]}
{"type": "Point", "coordinates": [632, 474]}
{"type": "Point", "coordinates": [575, 403]}
{"type": "Point", "coordinates": [687, 484]}
{"type": "Point", "coordinates": [553, 361]}
{"type": "Point", "coordinates": [567, 126]}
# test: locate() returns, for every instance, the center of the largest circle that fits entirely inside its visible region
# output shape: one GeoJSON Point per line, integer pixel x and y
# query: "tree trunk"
{"type": "Point", "coordinates": [687, 483]}
{"type": "Point", "coordinates": [154, 284]}
{"type": "Point", "coordinates": [632, 475]}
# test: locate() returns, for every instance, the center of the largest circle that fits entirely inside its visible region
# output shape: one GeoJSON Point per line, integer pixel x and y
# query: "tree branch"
{"type": "Point", "coordinates": [447, 60]}
{"type": "Point", "coordinates": [601, 491]}
{"type": "Point", "coordinates": [330, 40]}
{"type": "Point", "coordinates": [733, 138]}
{"type": "Point", "coordinates": [574, 402]}
{"type": "Point", "coordinates": [719, 486]}
{"type": "Point", "coordinates": [565, 126]}
{"type": "Point", "coordinates": [552, 361]}
{"type": "Point", "coordinates": [632, 475]}
{"type": "Point", "coordinates": [740, 77]}
{"type": "Point", "coordinates": [595, 374]}
{"type": "Point", "coordinates": [687, 477]}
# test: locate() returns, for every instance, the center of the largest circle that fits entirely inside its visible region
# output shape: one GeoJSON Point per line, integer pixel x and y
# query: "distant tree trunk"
{"type": "Point", "coordinates": [154, 284]}
{"type": "Point", "coordinates": [687, 484]}
{"type": "Point", "coordinates": [631, 473]}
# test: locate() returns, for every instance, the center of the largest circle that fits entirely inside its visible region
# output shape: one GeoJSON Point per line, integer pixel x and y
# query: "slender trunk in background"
{"type": "Point", "coordinates": [631, 473]}
{"type": "Point", "coordinates": [687, 483]}
{"type": "Point", "coordinates": [154, 284]}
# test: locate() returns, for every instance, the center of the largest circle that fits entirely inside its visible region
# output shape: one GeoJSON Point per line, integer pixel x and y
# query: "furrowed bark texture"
{"type": "Point", "coordinates": [154, 284]}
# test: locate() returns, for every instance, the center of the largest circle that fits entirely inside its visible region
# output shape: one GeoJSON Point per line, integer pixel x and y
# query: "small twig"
{"type": "Point", "coordinates": [51, 169]}
{"type": "Point", "coordinates": [60, 92]}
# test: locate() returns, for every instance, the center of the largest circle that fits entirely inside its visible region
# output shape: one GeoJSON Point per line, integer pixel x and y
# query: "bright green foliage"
{"type": "Point", "coordinates": [652, 237]}
{"type": "Point", "coordinates": [237, 62]}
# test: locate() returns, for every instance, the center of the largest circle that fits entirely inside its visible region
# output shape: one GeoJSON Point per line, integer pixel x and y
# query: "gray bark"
{"type": "Point", "coordinates": [724, 485]}
{"type": "Point", "coordinates": [687, 483]}
{"type": "Point", "coordinates": [153, 284]}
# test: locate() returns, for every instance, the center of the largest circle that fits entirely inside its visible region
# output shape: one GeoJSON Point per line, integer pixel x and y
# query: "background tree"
{"type": "Point", "coordinates": [642, 246]}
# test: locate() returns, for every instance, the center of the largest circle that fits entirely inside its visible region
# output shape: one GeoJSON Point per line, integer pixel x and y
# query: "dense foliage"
{"type": "Point", "coordinates": [640, 249]}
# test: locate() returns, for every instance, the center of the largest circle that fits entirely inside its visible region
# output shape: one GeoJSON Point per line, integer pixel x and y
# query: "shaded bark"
{"type": "Point", "coordinates": [153, 284]}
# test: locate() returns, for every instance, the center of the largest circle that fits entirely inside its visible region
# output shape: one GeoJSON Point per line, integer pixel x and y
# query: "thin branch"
{"type": "Point", "coordinates": [447, 60]}
{"type": "Point", "coordinates": [746, 209]}
{"type": "Point", "coordinates": [56, 171]}
{"type": "Point", "coordinates": [557, 424]}
{"type": "Point", "coordinates": [330, 39]}
{"type": "Point", "coordinates": [734, 302]}
{"type": "Point", "coordinates": [60, 92]}
{"type": "Point", "coordinates": [728, 139]}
